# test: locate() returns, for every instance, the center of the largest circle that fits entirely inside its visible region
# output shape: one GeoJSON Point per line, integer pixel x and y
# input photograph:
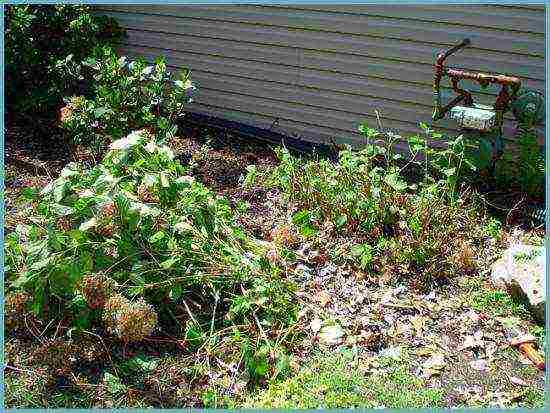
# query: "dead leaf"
{"type": "Point", "coordinates": [331, 335]}
{"type": "Point", "coordinates": [518, 381]}
{"type": "Point", "coordinates": [391, 352]}
{"type": "Point", "coordinates": [434, 365]}
{"type": "Point", "coordinates": [474, 341]}
{"type": "Point", "coordinates": [479, 365]}
{"type": "Point", "coordinates": [315, 325]}
{"type": "Point", "coordinates": [418, 323]}
{"type": "Point", "coordinates": [323, 298]}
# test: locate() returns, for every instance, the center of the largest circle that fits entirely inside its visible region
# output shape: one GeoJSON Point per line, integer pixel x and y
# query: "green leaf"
{"type": "Point", "coordinates": [395, 182]}
{"type": "Point", "coordinates": [169, 263]}
{"type": "Point", "coordinates": [164, 179]}
{"type": "Point", "coordinates": [20, 281]}
{"type": "Point", "coordinates": [175, 292]}
{"type": "Point", "coordinates": [141, 364]}
{"type": "Point", "coordinates": [156, 237]}
{"type": "Point", "coordinates": [449, 171]}
{"type": "Point", "coordinates": [59, 191]}
{"type": "Point", "coordinates": [85, 226]}
{"type": "Point", "coordinates": [114, 385]}
{"type": "Point", "coordinates": [341, 220]}
{"type": "Point", "coordinates": [41, 264]}
{"type": "Point", "coordinates": [99, 112]}
{"type": "Point", "coordinates": [29, 193]}
{"type": "Point", "coordinates": [86, 262]}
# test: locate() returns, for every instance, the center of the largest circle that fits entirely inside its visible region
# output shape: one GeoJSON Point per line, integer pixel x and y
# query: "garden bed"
{"type": "Point", "coordinates": [445, 347]}
{"type": "Point", "coordinates": [154, 262]}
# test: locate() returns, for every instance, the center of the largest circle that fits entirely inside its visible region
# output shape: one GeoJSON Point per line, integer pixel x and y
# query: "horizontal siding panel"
{"type": "Point", "coordinates": [325, 117]}
{"type": "Point", "coordinates": [430, 32]}
{"type": "Point", "coordinates": [316, 88]}
{"type": "Point", "coordinates": [350, 65]}
{"type": "Point", "coordinates": [329, 116]}
{"type": "Point", "coordinates": [299, 130]}
{"type": "Point", "coordinates": [410, 71]}
{"type": "Point", "coordinates": [487, 16]}
{"type": "Point", "coordinates": [306, 131]}
{"type": "Point", "coordinates": [399, 50]}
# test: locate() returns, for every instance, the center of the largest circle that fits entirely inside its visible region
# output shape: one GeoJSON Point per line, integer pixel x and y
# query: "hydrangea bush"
{"type": "Point", "coordinates": [126, 244]}
{"type": "Point", "coordinates": [127, 95]}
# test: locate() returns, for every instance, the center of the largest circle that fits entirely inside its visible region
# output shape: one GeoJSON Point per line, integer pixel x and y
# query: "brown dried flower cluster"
{"type": "Point", "coordinates": [64, 224]}
{"type": "Point", "coordinates": [130, 321]}
{"type": "Point", "coordinates": [96, 289]}
{"type": "Point", "coordinates": [65, 113]}
{"type": "Point", "coordinates": [144, 193]}
{"type": "Point", "coordinates": [283, 235]}
{"type": "Point", "coordinates": [464, 256]}
{"type": "Point", "coordinates": [108, 210]}
{"type": "Point", "coordinates": [55, 354]}
{"type": "Point", "coordinates": [15, 309]}
{"type": "Point", "coordinates": [75, 103]}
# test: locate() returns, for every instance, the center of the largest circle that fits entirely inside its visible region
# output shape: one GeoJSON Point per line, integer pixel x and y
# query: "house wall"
{"type": "Point", "coordinates": [316, 72]}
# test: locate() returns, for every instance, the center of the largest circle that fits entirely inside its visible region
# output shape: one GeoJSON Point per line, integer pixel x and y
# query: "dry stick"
{"type": "Point", "coordinates": [47, 326]}
{"type": "Point", "coordinates": [514, 208]}
{"type": "Point", "coordinates": [189, 312]}
{"type": "Point", "coordinates": [216, 298]}
{"type": "Point", "coordinates": [21, 370]}
{"type": "Point", "coordinates": [38, 337]}
{"type": "Point", "coordinates": [102, 342]}
{"type": "Point", "coordinates": [233, 376]}
{"type": "Point", "coordinates": [264, 335]}
{"type": "Point", "coordinates": [57, 329]}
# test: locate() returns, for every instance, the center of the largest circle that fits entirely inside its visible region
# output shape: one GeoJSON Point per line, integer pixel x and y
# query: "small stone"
{"type": "Point", "coordinates": [331, 335]}
{"type": "Point", "coordinates": [521, 272]}
{"type": "Point", "coordinates": [391, 352]}
{"type": "Point", "coordinates": [315, 325]}
{"type": "Point", "coordinates": [323, 298]}
{"type": "Point", "coordinates": [517, 381]}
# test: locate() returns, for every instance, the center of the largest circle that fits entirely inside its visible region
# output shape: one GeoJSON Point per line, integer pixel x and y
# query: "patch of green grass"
{"type": "Point", "coordinates": [533, 398]}
{"type": "Point", "coordinates": [333, 380]}
{"type": "Point", "coordinates": [494, 302]}
{"type": "Point", "coordinates": [493, 228]}
{"type": "Point", "coordinates": [540, 333]}
{"type": "Point", "coordinates": [31, 390]}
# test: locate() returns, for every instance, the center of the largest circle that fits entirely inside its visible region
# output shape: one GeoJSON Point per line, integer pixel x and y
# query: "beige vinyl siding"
{"type": "Point", "coordinates": [315, 72]}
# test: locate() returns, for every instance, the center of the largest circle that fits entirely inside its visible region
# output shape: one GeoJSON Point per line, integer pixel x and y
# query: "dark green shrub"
{"type": "Point", "coordinates": [42, 44]}
{"type": "Point", "coordinates": [126, 96]}
{"type": "Point", "coordinates": [523, 171]}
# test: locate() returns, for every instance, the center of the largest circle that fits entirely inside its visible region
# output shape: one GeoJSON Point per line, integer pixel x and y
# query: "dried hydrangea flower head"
{"type": "Point", "coordinates": [96, 289]}
{"type": "Point", "coordinates": [130, 321]}
{"type": "Point", "coordinates": [63, 224]}
{"type": "Point", "coordinates": [145, 193]}
{"type": "Point", "coordinates": [283, 235]}
{"type": "Point", "coordinates": [15, 309]}
{"type": "Point", "coordinates": [56, 354]}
